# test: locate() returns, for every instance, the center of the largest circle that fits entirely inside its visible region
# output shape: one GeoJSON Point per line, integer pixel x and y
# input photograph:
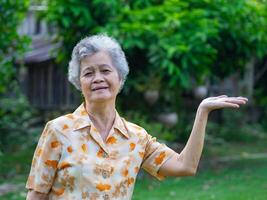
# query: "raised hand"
{"type": "Point", "coordinates": [223, 101]}
{"type": "Point", "coordinates": [186, 162]}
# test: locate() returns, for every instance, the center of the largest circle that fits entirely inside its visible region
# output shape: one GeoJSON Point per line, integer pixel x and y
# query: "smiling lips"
{"type": "Point", "coordinates": [99, 88]}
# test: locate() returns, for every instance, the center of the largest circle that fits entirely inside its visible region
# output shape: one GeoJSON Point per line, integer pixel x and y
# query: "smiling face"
{"type": "Point", "coordinates": [99, 78]}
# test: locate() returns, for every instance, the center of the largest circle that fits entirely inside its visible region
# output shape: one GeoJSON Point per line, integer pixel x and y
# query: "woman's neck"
{"type": "Point", "coordinates": [102, 114]}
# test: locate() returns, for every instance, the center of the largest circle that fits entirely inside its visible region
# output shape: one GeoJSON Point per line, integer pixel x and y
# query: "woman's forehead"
{"type": "Point", "coordinates": [94, 66]}
{"type": "Point", "coordinates": [99, 59]}
{"type": "Point", "coordinates": [96, 57]}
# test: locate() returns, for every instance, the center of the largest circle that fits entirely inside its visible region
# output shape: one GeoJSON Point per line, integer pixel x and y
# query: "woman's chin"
{"type": "Point", "coordinates": [101, 98]}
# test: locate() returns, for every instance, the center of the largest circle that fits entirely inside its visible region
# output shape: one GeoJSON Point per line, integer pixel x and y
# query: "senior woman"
{"type": "Point", "coordinates": [93, 153]}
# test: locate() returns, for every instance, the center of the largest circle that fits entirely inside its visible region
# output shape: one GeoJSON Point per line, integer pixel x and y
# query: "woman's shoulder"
{"type": "Point", "coordinates": [62, 123]}
{"type": "Point", "coordinates": [134, 128]}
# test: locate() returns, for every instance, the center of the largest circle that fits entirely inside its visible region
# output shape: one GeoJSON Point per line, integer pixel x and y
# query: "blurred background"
{"type": "Point", "coordinates": [179, 52]}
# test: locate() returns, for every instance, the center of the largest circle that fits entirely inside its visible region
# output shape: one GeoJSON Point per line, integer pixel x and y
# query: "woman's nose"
{"type": "Point", "coordinates": [98, 77]}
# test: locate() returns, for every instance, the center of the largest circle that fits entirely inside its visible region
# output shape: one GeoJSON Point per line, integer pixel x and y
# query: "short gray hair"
{"type": "Point", "coordinates": [91, 45]}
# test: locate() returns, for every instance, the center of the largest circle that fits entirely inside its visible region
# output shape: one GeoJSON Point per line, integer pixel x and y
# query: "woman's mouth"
{"type": "Point", "coordinates": [99, 88]}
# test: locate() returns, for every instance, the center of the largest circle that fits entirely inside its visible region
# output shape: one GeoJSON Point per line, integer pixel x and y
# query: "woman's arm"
{"type": "Point", "coordinates": [186, 163]}
{"type": "Point", "coordinates": [33, 195]}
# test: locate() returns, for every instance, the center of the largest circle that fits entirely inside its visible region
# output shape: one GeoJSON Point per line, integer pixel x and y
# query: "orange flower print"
{"type": "Point", "coordinates": [94, 129]}
{"type": "Point", "coordinates": [85, 195]}
{"type": "Point", "coordinates": [51, 163]}
{"type": "Point", "coordinates": [100, 153]}
{"type": "Point", "coordinates": [39, 152]}
{"type": "Point", "coordinates": [45, 178]}
{"type": "Point", "coordinates": [83, 112]}
{"type": "Point", "coordinates": [58, 192]}
{"type": "Point", "coordinates": [64, 165]}
{"type": "Point", "coordinates": [111, 140]}
{"type": "Point", "coordinates": [130, 181]}
{"type": "Point", "coordinates": [84, 148]}
{"type": "Point", "coordinates": [55, 144]}
{"type": "Point", "coordinates": [70, 116]}
{"type": "Point", "coordinates": [69, 149]}
{"type": "Point", "coordinates": [102, 187]}
{"type": "Point", "coordinates": [125, 172]}
{"type": "Point", "coordinates": [141, 154]}
{"type": "Point", "coordinates": [79, 159]}
{"type": "Point", "coordinates": [132, 146]}
{"type": "Point", "coordinates": [65, 127]}
{"type": "Point", "coordinates": [120, 189]}
{"type": "Point", "coordinates": [136, 169]}
{"type": "Point", "coordinates": [127, 162]}
{"type": "Point", "coordinates": [158, 160]}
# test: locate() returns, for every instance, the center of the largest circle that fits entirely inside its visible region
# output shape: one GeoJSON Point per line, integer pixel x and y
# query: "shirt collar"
{"type": "Point", "coordinates": [120, 125]}
{"type": "Point", "coordinates": [82, 120]}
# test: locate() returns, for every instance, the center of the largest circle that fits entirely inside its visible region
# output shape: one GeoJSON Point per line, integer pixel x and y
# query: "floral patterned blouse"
{"type": "Point", "coordinates": [72, 162]}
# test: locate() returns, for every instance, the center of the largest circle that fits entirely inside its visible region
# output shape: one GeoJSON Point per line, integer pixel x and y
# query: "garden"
{"type": "Point", "coordinates": [179, 53]}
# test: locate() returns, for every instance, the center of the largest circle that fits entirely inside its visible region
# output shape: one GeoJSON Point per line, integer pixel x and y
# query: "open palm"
{"type": "Point", "coordinates": [223, 101]}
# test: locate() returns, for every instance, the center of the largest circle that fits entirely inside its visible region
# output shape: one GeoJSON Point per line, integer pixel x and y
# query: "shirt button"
{"type": "Point", "coordinates": [105, 155]}
{"type": "Point", "coordinates": [105, 196]}
{"type": "Point", "coordinates": [104, 174]}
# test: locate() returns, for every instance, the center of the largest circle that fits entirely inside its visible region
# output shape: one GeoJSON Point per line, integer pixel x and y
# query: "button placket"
{"type": "Point", "coordinates": [106, 197]}
{"type": "Point", "coordinates": [105, 174]}
{"type": "Point", "coordinates": [105, 155]}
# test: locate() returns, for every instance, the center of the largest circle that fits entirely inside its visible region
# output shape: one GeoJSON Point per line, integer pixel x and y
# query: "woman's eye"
{"type": "Point", "coordinates": [88, 73]}
{"type": "Point", "coordinates": [105, 70]}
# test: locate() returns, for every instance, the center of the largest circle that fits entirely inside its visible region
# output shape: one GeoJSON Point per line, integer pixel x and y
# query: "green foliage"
{"type": "Point", "coordinates": [234, 127]}
{"type": "Point", "coordinates": [260, 96]}
{"type": "Point", "coordinates": [170, 45]}
{"type": "Point", "coordinates": [12, 45]}
{"type": "Point", "coordinates": [192, 39]}
{"type": "Point", "coordinates": [15, 163]}
{"type": "Point", "coordinates": [155, 129]}
{"type": "Point", "coordinates": [15, 112]}
{"type": "Point", "coordinates": [75, 19]}
{"type": "Point", "coordinates": [16, 125]}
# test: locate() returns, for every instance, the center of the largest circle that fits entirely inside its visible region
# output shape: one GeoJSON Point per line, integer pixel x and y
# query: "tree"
{"type": "Point", "coordinates": [176, 40]}
{"type": "Point", "coordinates": [12, 44]}
{"type": "Point", "coordinates": [15, 112]}
{"type": "Point", "coordinates": [193, 39]}
{"type": "Point", "coordinates": [170, 45]}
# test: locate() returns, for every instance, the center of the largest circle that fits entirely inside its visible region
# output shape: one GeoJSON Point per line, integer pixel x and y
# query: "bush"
{"type": "Point", "coordinates": [12, 45]}
{"type": "Point", "coordinates": [154, 128]}
{"type": "Point", "coordinates": [233, 126]}
{"type": "Point", "coordinates": [16, 125]}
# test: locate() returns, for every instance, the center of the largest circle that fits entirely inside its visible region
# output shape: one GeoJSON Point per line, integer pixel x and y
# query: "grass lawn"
{"type": "Point", "coordinates": [245, 179]}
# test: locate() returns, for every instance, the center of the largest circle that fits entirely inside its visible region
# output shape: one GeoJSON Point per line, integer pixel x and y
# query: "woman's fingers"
{"type": "Point", "coordinates": [243, 98]}
{"type": "Point", "coordinates": [223, 101]}
{"type": "Point", "coordinates": [225, 96]}
{"type": "Point", "coordinates": [229, 105]}
{"type": "Point", "coordinates": [221, 96]}
{"type": "Point", "coordinates": [237, 101]}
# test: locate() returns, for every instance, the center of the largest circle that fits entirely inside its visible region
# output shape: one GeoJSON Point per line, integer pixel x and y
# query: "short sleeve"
{"type": "Point", "coordinates": [156, 154]}
{"type": "Point", "coordinates": [45, 161]}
